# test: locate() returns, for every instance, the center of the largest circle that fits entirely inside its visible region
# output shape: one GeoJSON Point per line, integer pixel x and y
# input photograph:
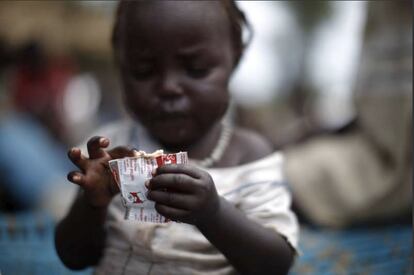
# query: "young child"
{"type": "Point", "coordinates": [232, 209]}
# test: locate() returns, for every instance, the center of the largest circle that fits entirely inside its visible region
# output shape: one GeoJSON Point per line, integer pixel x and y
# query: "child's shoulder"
{"type": "Point", "coordinates": [251, 145]}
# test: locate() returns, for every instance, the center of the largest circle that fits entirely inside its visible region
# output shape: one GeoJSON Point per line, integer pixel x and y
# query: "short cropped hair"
{"type": "Point", "coordinates": [237, 19]}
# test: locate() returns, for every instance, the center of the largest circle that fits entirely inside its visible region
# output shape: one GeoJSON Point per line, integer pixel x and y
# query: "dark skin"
{"type": "Point", "coordinates": [179, 86]}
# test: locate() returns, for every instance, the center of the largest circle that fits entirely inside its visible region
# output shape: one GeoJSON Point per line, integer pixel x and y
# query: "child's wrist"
{"type": "Point", "coordinates": [213, 216]}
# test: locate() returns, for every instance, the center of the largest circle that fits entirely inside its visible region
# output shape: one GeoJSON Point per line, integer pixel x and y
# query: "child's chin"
{"type": "Point", "coordinates": [176, 145]}
{"type": "Point", "coordinates": [173, 139]}
{"type": "Point", "coordinates": [173, 133]}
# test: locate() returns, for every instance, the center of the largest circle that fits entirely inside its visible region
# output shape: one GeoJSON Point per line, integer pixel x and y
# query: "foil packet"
{"type": "Point", "coordinates": [131, 173]}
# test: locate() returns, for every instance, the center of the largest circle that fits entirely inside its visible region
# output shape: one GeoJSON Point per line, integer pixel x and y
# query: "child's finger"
{"type": "Point", "coordinates": [171, 212]}
{"type": "Point", "coordinates": [178, 182]}
{"type": "Point", "coordinates": [95, 145]}
{"type": "Point", "coordinates": [121, 152]}
{"type": "Point", "coordinates": [76, 177]}
{"type": "Point", "coordinates": [176, 200]}
{"type": "Point", "coordinates": [76, 156]}
{"type": "Point", "coordinates": [187, 169]}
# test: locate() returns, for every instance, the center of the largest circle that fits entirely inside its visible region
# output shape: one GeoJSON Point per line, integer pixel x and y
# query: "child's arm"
{"type": "Point", "coordinates": [188, 194]}
{"type": "Point", "coordinates": [80, 236]}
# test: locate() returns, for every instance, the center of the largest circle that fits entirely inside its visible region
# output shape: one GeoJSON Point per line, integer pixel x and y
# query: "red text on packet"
{"type": "Point", "coordinates": [166, 159]}
{"type": "Point", "coordinates": [135, 197]}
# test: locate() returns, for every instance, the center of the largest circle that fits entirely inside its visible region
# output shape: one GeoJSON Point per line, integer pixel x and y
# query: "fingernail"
{"type": "Point", "coordinates": [146, 183]}
{"type": "Point", "coordinates": [103, 140]}
{"type": "Point", "coordinates": [75, 178]}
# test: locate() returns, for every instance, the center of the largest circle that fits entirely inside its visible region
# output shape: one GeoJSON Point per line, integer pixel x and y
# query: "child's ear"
{"type": "Point", "coordinates": [237, 57]}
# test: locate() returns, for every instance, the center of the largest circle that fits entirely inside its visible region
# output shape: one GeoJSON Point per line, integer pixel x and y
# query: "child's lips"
{"type": "Point", "coordinates": [171, 121]}
{"type": "Point", "coordinates": [173, 108]}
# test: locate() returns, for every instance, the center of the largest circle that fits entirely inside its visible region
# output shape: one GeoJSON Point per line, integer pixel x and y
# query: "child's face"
{"type": "Point", "coordinates": [176, 59]}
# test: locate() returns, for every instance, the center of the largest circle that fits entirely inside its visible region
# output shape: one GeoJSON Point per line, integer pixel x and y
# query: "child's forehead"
{"type": "Point", "coordinates": [182, 9]}
{"type": "Point", "coordinates": [164, 15]}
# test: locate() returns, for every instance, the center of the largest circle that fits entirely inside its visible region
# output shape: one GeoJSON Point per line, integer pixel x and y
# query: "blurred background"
{"type": "Point", "coordinates": [320, 79]}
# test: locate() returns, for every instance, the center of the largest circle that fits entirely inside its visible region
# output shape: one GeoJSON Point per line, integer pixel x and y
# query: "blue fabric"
{"type": "Point", "coordinates": [29, 159]}
{"type": "Point", "coordinates": [27, 247]}
{"type": "Point", "coordinates": [376, 250]}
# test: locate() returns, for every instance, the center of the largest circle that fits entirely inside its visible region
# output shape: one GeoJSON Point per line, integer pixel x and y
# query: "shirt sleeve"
{"type": "Point", "coordinates": [268, 203]}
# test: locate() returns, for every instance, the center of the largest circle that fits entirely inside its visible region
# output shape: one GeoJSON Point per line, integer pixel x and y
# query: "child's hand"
{"type": "Point", "coordinates": [183, 193]}
{"type": "Point", "coordinates": [95, 177]}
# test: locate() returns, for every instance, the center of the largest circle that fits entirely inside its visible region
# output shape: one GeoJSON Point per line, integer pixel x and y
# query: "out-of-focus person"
{"type": "Point", "coordinates": [364, 175]}
{"type": "Point", "coordinates": [32, 129]}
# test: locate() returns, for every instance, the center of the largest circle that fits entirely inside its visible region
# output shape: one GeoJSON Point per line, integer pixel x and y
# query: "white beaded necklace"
{"type": "Point", "coordinates": [221, 146]}
{"type": "Point", "coordinates": [139, 133]}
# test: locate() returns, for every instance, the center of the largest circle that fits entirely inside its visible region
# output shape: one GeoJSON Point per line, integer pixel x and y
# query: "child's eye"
{"type": "Point", "coordinates": [197, 71]}
{"type": "Point", "coordinates": [142, 72]}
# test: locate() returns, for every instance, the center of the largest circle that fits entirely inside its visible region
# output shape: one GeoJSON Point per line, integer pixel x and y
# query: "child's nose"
{"type": "Point", "coordinates": [170, 85]}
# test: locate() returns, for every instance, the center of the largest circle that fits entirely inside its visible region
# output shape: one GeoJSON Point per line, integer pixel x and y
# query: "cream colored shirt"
{"type": "Point", "coordinates": [257, 189]}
